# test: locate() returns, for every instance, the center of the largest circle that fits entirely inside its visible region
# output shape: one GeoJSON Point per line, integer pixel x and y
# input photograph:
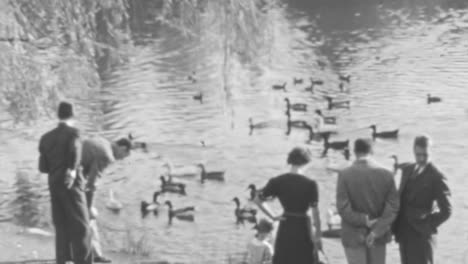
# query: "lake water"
{"type": "Point", "coordinates": [396, 55]}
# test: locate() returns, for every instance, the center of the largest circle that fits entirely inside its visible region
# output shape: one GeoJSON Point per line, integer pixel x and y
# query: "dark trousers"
{"type": "Point", "coordinates": [71, 221]}
{"type": "Point", "coordinates": [416, 248]}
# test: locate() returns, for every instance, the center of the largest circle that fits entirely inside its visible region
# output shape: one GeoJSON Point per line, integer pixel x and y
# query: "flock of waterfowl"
{"type": "Point", "coordinates": [171, 186]}
{"type": "Point", "coordinates": [248, 213]}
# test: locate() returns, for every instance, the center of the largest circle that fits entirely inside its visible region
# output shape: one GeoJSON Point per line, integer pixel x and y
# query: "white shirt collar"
{"type": "Point", "coordinates": [68, 122]}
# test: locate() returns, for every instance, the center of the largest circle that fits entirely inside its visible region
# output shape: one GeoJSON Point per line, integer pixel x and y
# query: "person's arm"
{"type": "Point", "coordinates": [318, 227]}
{"type": "Point", "coordinates": [392, 205]}
{"type": "Point", "coordinates": [267, 255]}
{"type": "Point", "coordinates": [269, 191]}
{"type": "Point", "coordinates": [442, 196]}
{"type": "Point", "coordinates": [43, 166]}
{"type": "Point", "coordinates": [265, 208]}
{"type": "Point", "coordinates": [74, 151]}
{"type": "Point", "coordinates": [317, 232]}
{"type": "Point", "coordinates": [73, 159]}
{"type": "Point", "coordinates": [93, 175]}
{"type": "Point", "coordinates": [344, 208]}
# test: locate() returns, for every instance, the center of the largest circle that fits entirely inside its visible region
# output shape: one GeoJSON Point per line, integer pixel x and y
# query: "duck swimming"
{"type": "Point", "coordinates": [345, 78]}
{"type": "Point", "coordinates": [146, 207]}
{"type": "Point", "coordinates": [316, 82]}
{"type": "Point", "coordinates": [329, 120]}
{"type": "Point", "coordinates": [113, 204]}
{"type": "Point", "coordinates": [185, 213]}
{"type": "Point", "coordinates": [340, 104]}
{"type": "Point", "coordinates": [172, 187]}
{"type": "Point", "coordinates": [210, 175]}
{"type": "Point", "coordinates": [137, 144]}
{"type": "Point", "coordinates": [198, 97]}
{"type": "Point", "coordinates": [253, 126]}
{"type": "Point", "coordinates": [255, 192]}
{"type": "Point", "coordinates": [433, 99]}
{"type": "Point", "coordinates": [299, 107]}
{"type": "Point", "coordinates": [383, 134]}
{"type": "Point", "coordinates": [397, 165]}
{"type": "Point", "coordinates": [279, 87]}
{"type": "Point", "coordinates": [335, 145]}
{"type": "Point", "coordinates": [297, 81]}
{"type": "Point", "coordinates": [244, 214]}
{"type": "Point", "coordinates": [301, 124]}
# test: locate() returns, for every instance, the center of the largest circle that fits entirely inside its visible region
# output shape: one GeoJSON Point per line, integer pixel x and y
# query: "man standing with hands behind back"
{"type": "Point", "coordinates": [421, 185]}
{"type": "Point", "coordinates": [367, 201]}
{"type": "Point", "coordinates": [60, 157]}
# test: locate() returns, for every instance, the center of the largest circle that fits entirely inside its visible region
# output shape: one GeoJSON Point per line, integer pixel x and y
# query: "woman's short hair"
{"type": "Point", "coordinates": [422, 141]}
{"type": "Point", "coordinates": [299, 156]}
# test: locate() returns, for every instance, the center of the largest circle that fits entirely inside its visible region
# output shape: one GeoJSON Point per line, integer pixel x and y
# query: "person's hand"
{"type": "Point", "coordinates": [93, 212]}
{"type": "Point", "coordinates": [318, 244]}
{"type": "Point", "coordinates": [370, 240]}
{"type": "Point", "coordinates": [70, 177]}
{"type": "Point", "coordinates": [370, 222]}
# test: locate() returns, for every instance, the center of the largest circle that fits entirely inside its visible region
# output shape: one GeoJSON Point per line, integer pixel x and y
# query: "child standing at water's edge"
{"type": "Point", "coordinates": [259, 251]}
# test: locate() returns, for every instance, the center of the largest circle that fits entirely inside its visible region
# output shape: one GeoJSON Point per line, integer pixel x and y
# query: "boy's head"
{"type": "Point", "coordinates": [264, 227]}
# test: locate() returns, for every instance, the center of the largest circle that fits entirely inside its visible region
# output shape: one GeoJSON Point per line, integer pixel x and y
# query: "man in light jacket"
{"type": "Point", "coordinates": [368, 202]}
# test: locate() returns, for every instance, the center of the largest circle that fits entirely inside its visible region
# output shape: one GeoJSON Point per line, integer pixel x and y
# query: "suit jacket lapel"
{"type": "Point", "coordinates": [422, 178]}
{"type": "Point", "coordinates": [405, 177]}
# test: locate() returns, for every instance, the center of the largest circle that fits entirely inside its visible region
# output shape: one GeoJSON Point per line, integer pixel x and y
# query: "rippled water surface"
{"type": "Point", "coordinates": [396, 55]}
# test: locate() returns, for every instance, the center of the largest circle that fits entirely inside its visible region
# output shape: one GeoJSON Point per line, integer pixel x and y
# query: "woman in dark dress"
{"type": "Point", "coordinates": [296, 193]}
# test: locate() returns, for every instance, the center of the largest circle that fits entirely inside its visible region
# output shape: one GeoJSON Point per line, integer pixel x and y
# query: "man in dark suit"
{"type": "Point", "coordinates": [367, 201]}
{"type": "Point", "coordinates": [60, 157]}
{"type": "Point", "coordinates": [422, 185]}
{"type": "Point", "coordinates": [97, 154]}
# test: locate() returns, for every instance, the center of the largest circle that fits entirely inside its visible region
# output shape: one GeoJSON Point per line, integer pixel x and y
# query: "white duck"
{"type": "Point", "coordinates": [113, 204]}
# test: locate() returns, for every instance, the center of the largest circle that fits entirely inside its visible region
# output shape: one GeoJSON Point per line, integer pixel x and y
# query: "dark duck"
{"type": "Point", "coordinates": [346, 78]}
{"type": "Point", "coordinates": [184, 214]}
{"type": "Point", "coordinates": [254, 192]}
{"type": "Point", "coordinates": [397, 165]}
{"type": "Point", "coordinates": [312, 84]}
{"type": "Point", "coordinates": [280, 87]}
{"type": "Point", "coordinates": [298, 107]}
{"type": "Point", "coordinates": [297, 81]}
{"type": "Point", "coordinates": [340, 104]}
{"type": "Point", "coordinates": [433, 99]}
{"type": "Point", "coordinates": [335, 145]}
{"type": "Point", "coordinates": [198, 97]}
{"type": "Point", "coordinates": [330, 120]}
{"type": "Point", "coordinates": [172, 187]}
{"type": "Point", "coordinates": [147, 207]}
{"type": "Point", "coordinates": [210, 175]}
{"type": "Point", "coordinates": [254, 126]}
{"type": "Point", "coordinates": [301, 124]}
{"type": "Point", "coordinates": [383, 134]}
{"type": "Point", "coordinates": [137, 144]}
{"type": "Point", "coordinates": [244, 214]}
